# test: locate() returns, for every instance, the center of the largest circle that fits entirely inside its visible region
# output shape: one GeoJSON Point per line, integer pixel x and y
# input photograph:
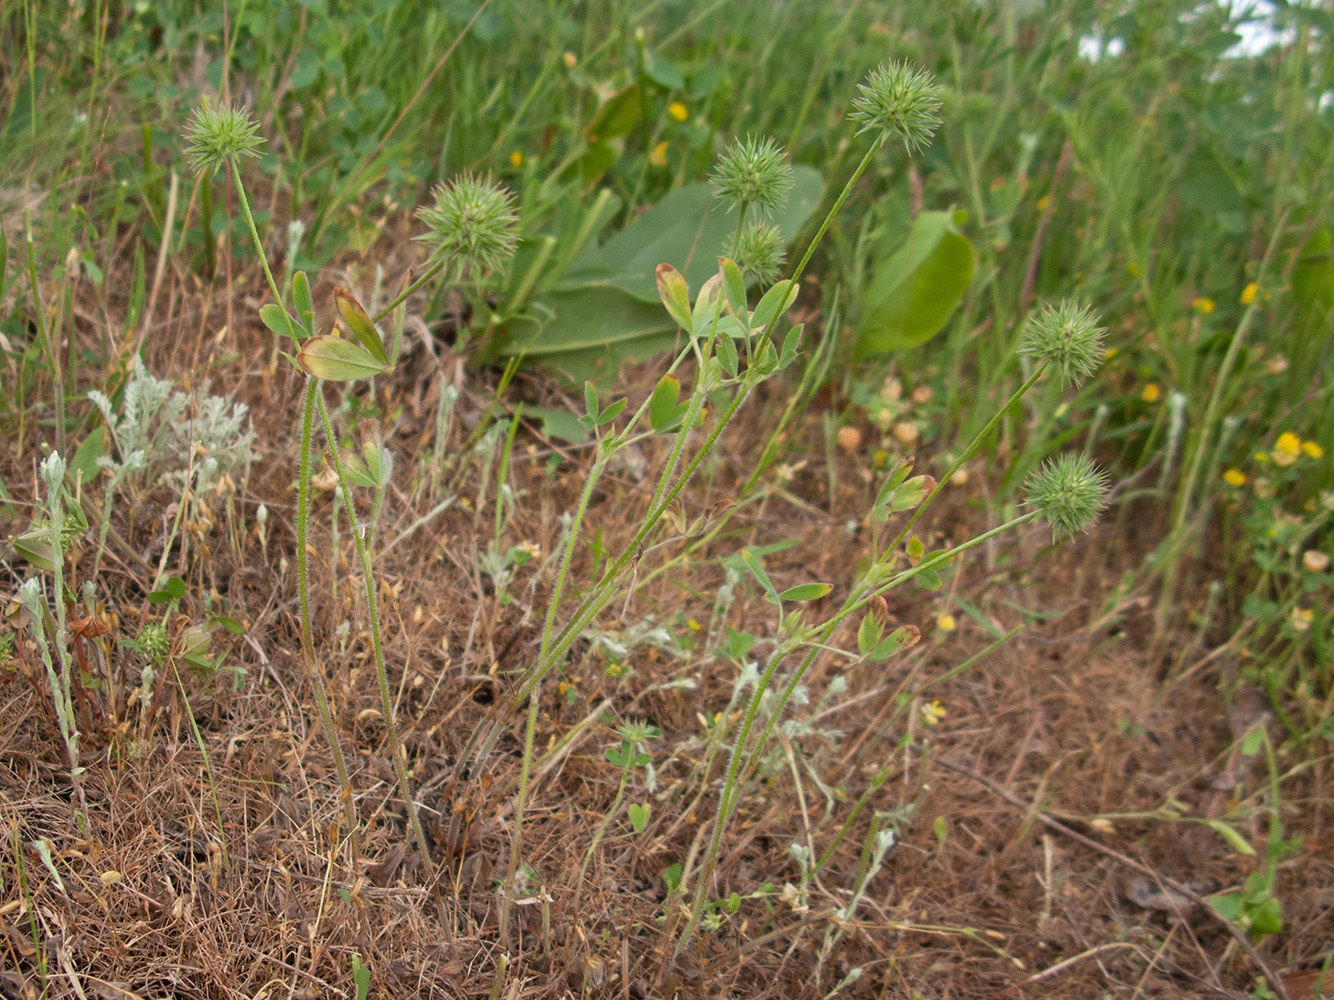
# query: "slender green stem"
{"type": "Point", "coordinates": [259, 248]}
{"type": "Point", "coordinates": [834, 209]}
{"type": "Point", "coordinates": [402, 296]}
{"type": "Point", "coordinates": [966, 454]}
{"type": "Point", "coordinates": [372, 610]}
{"type": "Point", "coordinates": [307, 638]}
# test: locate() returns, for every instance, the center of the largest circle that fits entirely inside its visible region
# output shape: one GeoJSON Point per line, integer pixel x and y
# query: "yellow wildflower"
{"type": "Point", "coordinates": [1312, 450]}
{"type": "Point", "coordinates": [1287, 448]}
{"type": "Point", "coordinates": [1043, 202]}
{"type": "Point", "coordinates": [1151, 393]}
{"type": "Point", "coordinates": [1110, 353]}
{"type": "Point", "coordinates": [946, 622]}
{"type": "Point", "coordinates": [516, 159]}
{"type": "Point", "coordinates": [932, 713]}
{"type": "Point", "coordinates": [694, 625]}
{"type": "Point", "coordinates": [1234, 477]}
{"type": "Point", "coordinates": [678, 111]}
{"type": "Point", "coordinates": [1261, 457]}
{"type": "Point", "coordinates": [659, 155]}
{"type": "Point", "coordinates": [1301, 619]}
{"type": "Point", "coordinates": [1202, 305]}
{"type": "Point", "coordinates": [1248, 293]}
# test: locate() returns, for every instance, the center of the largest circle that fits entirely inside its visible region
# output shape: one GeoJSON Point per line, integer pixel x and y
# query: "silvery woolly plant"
{"type": "Point", "coordinates": [470, 231]}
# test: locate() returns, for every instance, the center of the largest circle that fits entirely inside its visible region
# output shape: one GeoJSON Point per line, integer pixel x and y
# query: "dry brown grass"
{"type": "Point", "coordinates": [154, 900]}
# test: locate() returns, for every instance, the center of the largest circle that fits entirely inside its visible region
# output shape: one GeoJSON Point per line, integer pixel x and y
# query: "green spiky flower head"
{"type": "Point", "coordinates": [1070, 492]}
{"type": "Point", "coordinates": [898, 101]}
{"type": "Point", "coordinates": [755, 173]}
{"type": "Point", "coordinates": [472, 225]}
{"type": "Point", "coordinates": [1067, 337]}
{"type": "Point", "coordinates": [220, 135]}
{"type": "Point", "coordinates": [757, 249]}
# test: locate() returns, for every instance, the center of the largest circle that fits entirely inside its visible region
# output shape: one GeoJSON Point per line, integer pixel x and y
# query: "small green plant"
{"type": "Point", "coordinates": [628, 756]}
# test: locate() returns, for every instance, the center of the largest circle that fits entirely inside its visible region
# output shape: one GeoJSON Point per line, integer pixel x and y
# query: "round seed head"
{"type": "Point", "coordinates": [898, 100]}
{"type": "Point", "coordinates": [1067, 337]}
{"type": "Point", "coordinates": [753, 172]}
{"type": "Point", "coordinates": [758, 248]}
{"type": "Point", "coordinates": [154, 641]}
{"type": "Point", "coordinates": [1070, 492]}
{"type": "Point", "coordinates": [472, 224]}
{"type": "Point", "coordinates": [218, 135]}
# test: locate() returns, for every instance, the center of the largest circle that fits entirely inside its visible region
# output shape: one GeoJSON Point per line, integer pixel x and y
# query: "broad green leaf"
{"type": "Point", "coordinates": [662, 404]}
{"type": "Point", "coordinates": [737, 563]}
{"type": "Point", "coordinates": [336, 360]}
{"type": "Point", "coordinates": [598, 159]}
{"type": "Point", "coordinates": [806, 592]}
{"type": "Point", "coordinates": [612, 411]}
{"type": "Point", "coordinates": [276, 320]}
{"type": "Point", "coordinates": [687, 228]}
{"type": "Point", "coordinates": [911, 296]}
{"type": "Point", "coordinates": [591, 399]}
{"type": "Point", "coordinates": [928, 579]}
{"type": "Point", "coordinates": [360, 324]}
{"type": "Point", "coordinates": [639, 815]}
